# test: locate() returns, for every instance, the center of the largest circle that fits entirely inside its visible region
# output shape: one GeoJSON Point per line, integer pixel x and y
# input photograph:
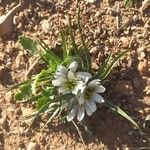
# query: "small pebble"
{"type": "Point", "coordinates": [32, 146]}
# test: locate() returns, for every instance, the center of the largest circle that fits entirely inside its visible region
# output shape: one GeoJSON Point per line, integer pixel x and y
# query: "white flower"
{"type": "Point", "coordinates": [78, 110]}
{"type": "Point", "coordinates": [66, 80]}
{"type": "Point", "coordinates": [90, 93]}
{"type": "Point", "coordinates": [87, 100]}
{"type": "Point", "coordinates": [86, 93]}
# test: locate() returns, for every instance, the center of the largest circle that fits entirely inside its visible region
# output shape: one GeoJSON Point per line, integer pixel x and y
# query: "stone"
{"type": "Point", "coordinates": [27, 112]}
{"type": "Point", "coordinates": [6, 21]}
{"type": "Point", "coordinates": [32, 146]}
{"type": "Point", "coordinates": [97, 14]}
{"type": "Point", "coordinates": [45, 26]}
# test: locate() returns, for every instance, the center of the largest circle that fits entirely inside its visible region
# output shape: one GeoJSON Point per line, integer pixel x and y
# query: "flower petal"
{"type": "Point", "coordinates": [63, 90]}
{"type": "Point", "coordinates": [85, 76]}
{"type": "Point", "coordinates": [88, 110]}
{"type": "Point", "coordinates": [73, 66]}
{"type": "Point", "coordinates": [71, 75]}
{"type": "Point", "coordinates": [91, 105]}
{"type": "Point", "coordinates": [78, 87]}
{"type": "Point", "coordinates": [94, 82]}
{"type": "Point", "coordinates": [61, 69]}
{"type": "Point", "coordinates": [58, 82]}
{"type": "Point", "coordinates": [81, 112]}
{"type": "Point", "coordinates": [100, 89]}
{"type": "Point", "coordinates": [60, 75]}
{"type": "Point", "coordinates": [72, 113]}
{"type": "Point", "coordinates": [98, 98]}
{"type": "Point", "coordinates": [81, 99]}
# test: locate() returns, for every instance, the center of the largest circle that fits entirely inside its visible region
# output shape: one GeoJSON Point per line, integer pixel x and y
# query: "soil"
{"type": "Point", "coordinates": [105, 29]}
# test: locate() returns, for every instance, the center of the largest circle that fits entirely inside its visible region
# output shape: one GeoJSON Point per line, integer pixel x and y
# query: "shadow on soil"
{"type": "Point", "coordinates": [108, 128]}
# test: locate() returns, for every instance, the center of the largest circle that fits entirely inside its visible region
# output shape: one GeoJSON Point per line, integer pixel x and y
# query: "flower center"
{"type": "Point", "coordinates": [70, 84]}
{"type": "Point", "coordinates": [89, 92]}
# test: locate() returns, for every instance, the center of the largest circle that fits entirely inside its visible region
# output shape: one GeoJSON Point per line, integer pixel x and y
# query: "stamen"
{"type": "Point", "coordinates": [70, 84]}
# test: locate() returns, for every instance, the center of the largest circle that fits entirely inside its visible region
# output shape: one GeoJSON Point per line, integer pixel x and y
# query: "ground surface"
{"type": "Point", "coordinates": [129, 87]}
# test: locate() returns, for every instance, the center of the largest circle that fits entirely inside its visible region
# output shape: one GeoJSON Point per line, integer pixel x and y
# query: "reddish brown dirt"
{"type": "Point", "coordinates": [128, 87]}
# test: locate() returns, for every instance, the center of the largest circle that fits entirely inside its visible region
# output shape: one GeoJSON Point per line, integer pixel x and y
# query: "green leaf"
{"type": "Point", "coordinates": [104, 65]}
{"type": "Point", "coordinates": [31, 99]}
{"type": "Point", "coordinates": [65, 97]}
{"type": "Point", "coordinates": [80, 29]}
{"type": "Point", "coordinates": [41, 101]}
{"type": "Point", "coordinates": [73, 43]}
{"type": "Point", "coordinates": [24, 92]}
{"type": "Point", "coordinates": [42, 109]}
{"type": "Point", "coordinates": [20, 84]}
{"type": "Point", "coordinates": [128, 2]}
{"type": "Point", "coordinates": [29, 44]}
{"type": "Point", "coordinates": [49, 55]}
{"type": "Point", "coordinates": [26, 89]}
{"type": "Point", "coordinates": [37, 79]}
{"type": "Point", "coordinates": [35, 84]}
{"type": "Point", "coordinates": [110, 66]}
{"type": "Point", "coordinates": [19, 96]}
{"type": "Point", "coordinates": [64, 45]}
{"type": "Point", "coordinates": [50, 108]}
{"type": "Point", "coordinates": [121, 112]}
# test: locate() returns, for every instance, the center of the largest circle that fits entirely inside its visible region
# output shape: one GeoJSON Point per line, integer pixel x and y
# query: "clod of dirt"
{"type": "Point", "coordinates": [124, 87]}
{"type": "Point", "coordinates": [6, 21]}
{"type": "Point", "coordinates": [145, 5]}
{"type": "Point", "coordinates": [143, 67]}
{"type": "Point", "coordinates": [27, 112]}
{"type": "Point", "coordinates": [18, 111]}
